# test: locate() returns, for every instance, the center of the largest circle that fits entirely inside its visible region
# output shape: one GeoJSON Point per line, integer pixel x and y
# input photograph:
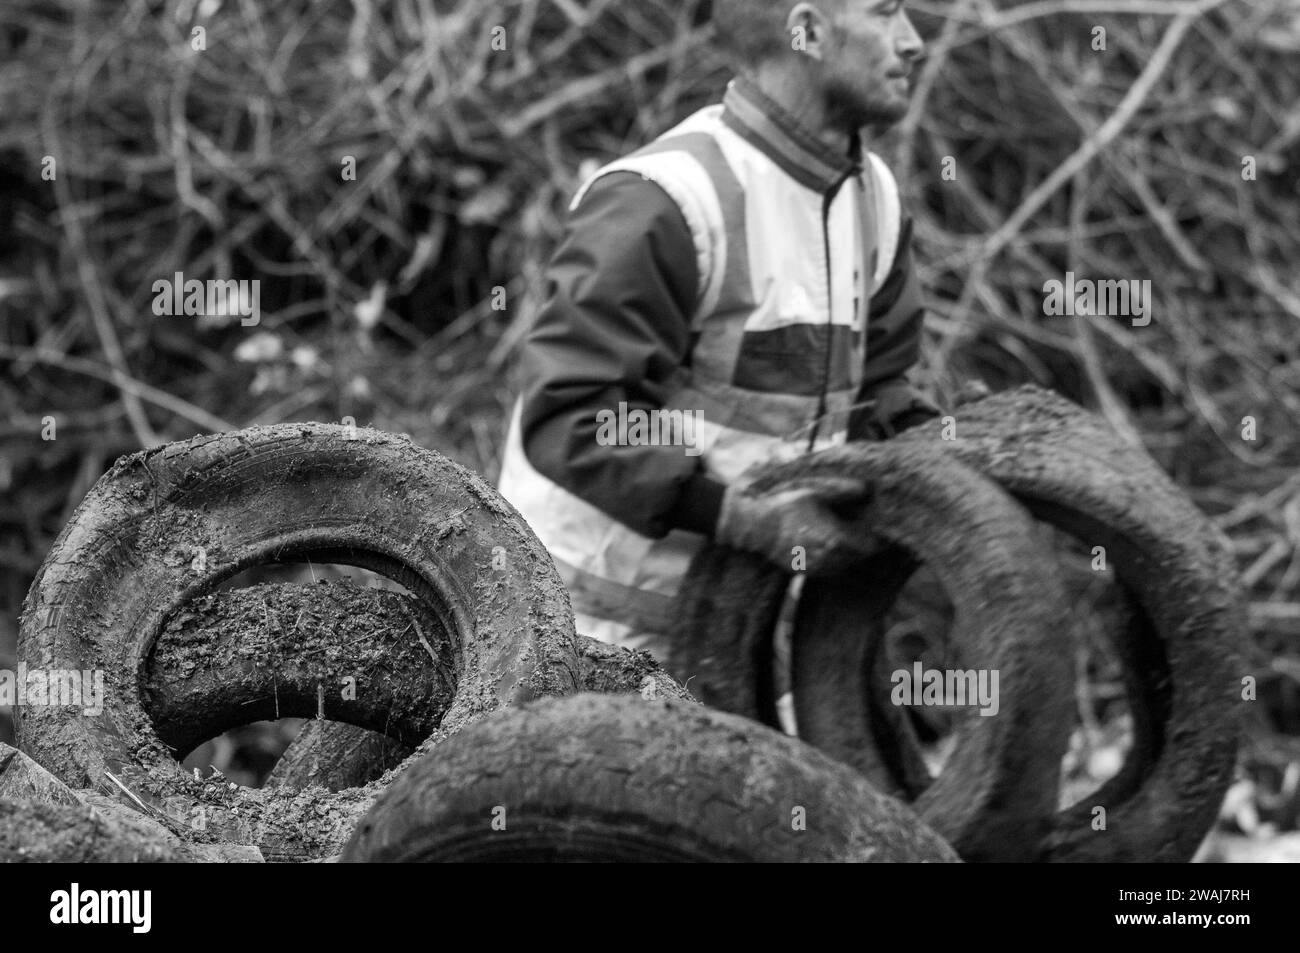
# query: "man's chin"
{"type": "Point", "coordinates": [880, 113]}
{"type": "Point", "coordinates": [883, 115]}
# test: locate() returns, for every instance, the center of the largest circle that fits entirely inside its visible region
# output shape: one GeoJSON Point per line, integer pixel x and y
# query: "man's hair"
{"type": "Point", "coordinates": [750, 32]}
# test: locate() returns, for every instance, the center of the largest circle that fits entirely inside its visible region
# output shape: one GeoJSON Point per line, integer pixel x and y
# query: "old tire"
{"type": "Point", "coordinates": [997, 794]}
{"type": "Point", "coordinates": [169, 524]}
{"type": "Point", "coordinates": [260, 646]}
{"type": "Point", "coordinates": [251, 651]}
{"type": "Point", "coordinates": [261, 652]}
{"type": "Point", "coordinates": [22, 779]}
{"type": "Point", "coordinates": [335, 754]}
{"type": "Point", "coordinates": [32, 832]}
{"type": "Point", "coordinates": [619, 778]}
{"type": "Point", "coordinates": [1183, 646]}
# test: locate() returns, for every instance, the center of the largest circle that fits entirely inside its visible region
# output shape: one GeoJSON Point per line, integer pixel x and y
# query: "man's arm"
{"type": "Point", "coordinates": [614, 328]}
{"type": "Point", "coordinates": [893, 347]}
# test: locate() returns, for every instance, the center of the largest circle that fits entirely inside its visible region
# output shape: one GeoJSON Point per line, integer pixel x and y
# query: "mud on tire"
{"type": "Point", "coordinates": [336, 755]}
{"type": "Point", "coordinates": [996, 796]}
{"type": "Point", "coordinates": [254, 649]}
{"type": "Point", "coordinates": [1180, 642]}
{"type": "Point", "coordinates": [1183, 648]}
{"type": "Point", "coordinates": [620, 778]}
{"type": "Point", "coordinates": [32, 832]}
{"type": "Point", "coordinates": [167, 525]}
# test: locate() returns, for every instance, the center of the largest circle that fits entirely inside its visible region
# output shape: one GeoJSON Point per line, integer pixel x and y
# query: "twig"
{"type": "Point", "coordinates": [129, 386]}
{"type": "Point", "coordinates": [1105, 134]}
{"type": "Point", "coordinates": [96, 300]}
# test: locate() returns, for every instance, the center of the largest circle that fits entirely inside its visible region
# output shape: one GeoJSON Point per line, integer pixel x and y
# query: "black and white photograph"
{"type": "Point", "coordinates": [642, 431]}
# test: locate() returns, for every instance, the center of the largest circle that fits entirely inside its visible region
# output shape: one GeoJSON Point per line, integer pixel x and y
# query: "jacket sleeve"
{"type": "Point", "coordinates": [893, 347]}
{"type": "Point", "coordinates": [614, 327]}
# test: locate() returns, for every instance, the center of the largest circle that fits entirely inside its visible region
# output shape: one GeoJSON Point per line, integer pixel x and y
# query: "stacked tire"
{"type": "Point", "coordinates": [963, 496]}
{"type": "Point", "coordinates": [620, 778]}
{"type": "Point", "coordinates": [439, 677]}
{"type": "Point", "coordinates": [475, 724]}
{"type": "Point", "coordinates": [166, 527]}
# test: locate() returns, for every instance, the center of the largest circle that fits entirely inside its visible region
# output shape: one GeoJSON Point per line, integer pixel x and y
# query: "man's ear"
{"type": "Point", "coordinates": [809, 29]}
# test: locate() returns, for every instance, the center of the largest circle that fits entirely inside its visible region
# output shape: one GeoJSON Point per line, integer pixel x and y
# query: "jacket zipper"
{"type": "Point", "coordinates": [823, 396]}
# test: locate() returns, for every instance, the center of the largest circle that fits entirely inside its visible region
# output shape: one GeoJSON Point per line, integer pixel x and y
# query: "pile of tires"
{"type": "Point", "coordinates": [463, 719]}
{"type": "Point", "coordinates": [446, 677]}
{"type": "Point", "coordinates": [127, 579]}
{"type": "Point", "coordinates": [969, 497]}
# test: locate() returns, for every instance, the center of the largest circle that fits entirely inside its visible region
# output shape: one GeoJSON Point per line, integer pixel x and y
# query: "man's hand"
{"type": "Point", "coordinates": [823, 515]}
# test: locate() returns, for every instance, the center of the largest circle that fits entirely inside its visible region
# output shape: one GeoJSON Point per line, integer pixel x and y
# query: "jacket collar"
{"type": "Point", "coordinates": [779, 135]}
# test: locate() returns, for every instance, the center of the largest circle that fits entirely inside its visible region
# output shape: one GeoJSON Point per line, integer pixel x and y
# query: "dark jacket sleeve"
{"type": "Point", "coordinates": [893, 347]}
{"type": "Point", "coordinates": [614, 327]}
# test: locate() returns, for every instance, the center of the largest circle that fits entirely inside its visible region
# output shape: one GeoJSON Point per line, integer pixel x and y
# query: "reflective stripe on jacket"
{"type": "Point", "coordinates": [792, 247]}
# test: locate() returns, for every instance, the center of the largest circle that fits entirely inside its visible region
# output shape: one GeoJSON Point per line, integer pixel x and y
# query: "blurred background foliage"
{"type": "Point", "coordinates": [1173, 154]}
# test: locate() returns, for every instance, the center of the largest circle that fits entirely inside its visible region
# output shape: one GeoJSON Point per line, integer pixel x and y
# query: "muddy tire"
{"type": "Point", "coordinates": [996, 796]}
{"type": "Point", "coordinates": [25, 784]}
{"type": "Point", "coordinates": [373, 658]}
{"type": "Point", "coordinates": [619, 778]}
{"type": "Point", "coordinates": [32, 832]}
{"type": "Point", "coordinates": [615, 670]}
{"type": "Point", "coordinates": [1182, 647]}
{"type": "Point", "coordinates": [22, 779]}
{"type": "Point", "coordinates": [336, 755]}
{"type": "Point", "coordinates": [165, 526]}
{"type": "Point", "coordinates": [264, 645]}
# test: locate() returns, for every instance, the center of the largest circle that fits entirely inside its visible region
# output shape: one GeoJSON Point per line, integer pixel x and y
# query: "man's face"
{"type": "Point", "coordinates": [866, 62]}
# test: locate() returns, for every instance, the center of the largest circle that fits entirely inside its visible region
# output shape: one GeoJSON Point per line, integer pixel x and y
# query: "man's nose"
{"type": "Point", "coordinates": [909, 45]}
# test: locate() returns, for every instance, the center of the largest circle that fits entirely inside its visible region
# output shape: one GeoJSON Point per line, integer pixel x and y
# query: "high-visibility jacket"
{"type": "Point", "coordinates": [737, 270]}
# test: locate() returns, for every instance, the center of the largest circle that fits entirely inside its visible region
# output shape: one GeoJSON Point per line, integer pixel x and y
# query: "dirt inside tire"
{"type": "Point", "coordinates": [264, 650]}
{"type": "Point", "coordinates": [336, 755]}
{"type": "Point", "coordinates": [373, 658]}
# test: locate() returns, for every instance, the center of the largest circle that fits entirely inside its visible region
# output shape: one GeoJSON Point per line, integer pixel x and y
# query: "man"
{"type": "Point", "coordinates": [748, 272]}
